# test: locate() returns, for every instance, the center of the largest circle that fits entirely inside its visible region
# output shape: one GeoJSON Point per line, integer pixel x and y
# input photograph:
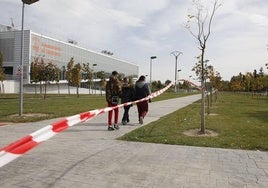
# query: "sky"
{"type": "Point", "coordinates": [135, 30]}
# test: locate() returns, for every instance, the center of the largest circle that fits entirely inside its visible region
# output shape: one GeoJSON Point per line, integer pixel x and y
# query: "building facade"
{"type": "Point", "coordinates": [55, 51]}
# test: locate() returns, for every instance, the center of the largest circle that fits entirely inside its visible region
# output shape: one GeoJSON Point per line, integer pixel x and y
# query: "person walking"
{"type": "Point", "coordinates": [113, 92]}
{"type": "Point", "coordinates": [128, 95]}
{"type": "Point", "coordinates": [142, 90]}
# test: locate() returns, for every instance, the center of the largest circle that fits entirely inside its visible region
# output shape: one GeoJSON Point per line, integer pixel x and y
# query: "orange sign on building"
{"type": "Point", "coordinates": [45, 48]}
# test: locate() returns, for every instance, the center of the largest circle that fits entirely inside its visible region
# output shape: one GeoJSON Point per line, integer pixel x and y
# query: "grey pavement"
{"type": "Point", "coordinates": [87, 155]}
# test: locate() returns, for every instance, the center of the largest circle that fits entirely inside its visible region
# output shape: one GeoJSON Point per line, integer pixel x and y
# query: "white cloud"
{"type": "Point", "coordinates": [137, 29]}
{"type": "Point", "coordinates": [259, 20]}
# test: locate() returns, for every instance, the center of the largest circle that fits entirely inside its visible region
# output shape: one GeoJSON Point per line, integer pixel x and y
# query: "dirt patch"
{"type": "Point", "coordinates": [196, 133]}
{"type": "Point", "coordinates": [211, 114]}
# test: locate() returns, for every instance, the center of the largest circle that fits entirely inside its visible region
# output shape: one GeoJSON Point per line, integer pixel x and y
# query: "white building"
{"type": "Point", "coordinates": [55, 51]}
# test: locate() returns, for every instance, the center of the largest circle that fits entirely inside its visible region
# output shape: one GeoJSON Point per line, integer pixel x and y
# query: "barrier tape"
{"type": "Point", "coordinates": [193, 84]}
{"type": "Point", "coordinates": [25, 144]}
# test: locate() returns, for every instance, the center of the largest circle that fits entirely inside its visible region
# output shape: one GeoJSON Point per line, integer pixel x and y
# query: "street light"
{"type": "Point", "coordinates": [176, 54]}
{"type": "Point", "coordinates": [178, 79]}
{"type": "Point", "coordinates": [151, 59]}
{"type": "Point", "coordinates": [28, 2]}
{"type": "Point", "coordinates": [94, 76]}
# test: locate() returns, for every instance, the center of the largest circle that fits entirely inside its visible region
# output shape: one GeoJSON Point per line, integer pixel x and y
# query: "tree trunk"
{"type": "Point", "coordinates": [208, 103]}
{"type": "Point", "coordinates": [211, 95]}
{"type": "Point", "coordinates": [40, 87]}
{"type": "Point", "coordinates": [35, 89]}
{"type": "Point", "coordinates": [45, 90]}
{"type": "Point", "coordinates": [77, 91]}
{"type": "Point", "coordinates": [202, 128]}
{"type": "Point", "coordinates": [58, 88]}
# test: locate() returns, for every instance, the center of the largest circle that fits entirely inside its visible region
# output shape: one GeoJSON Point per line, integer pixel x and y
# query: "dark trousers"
{"type": "Point", "coordinates": [126, 115]}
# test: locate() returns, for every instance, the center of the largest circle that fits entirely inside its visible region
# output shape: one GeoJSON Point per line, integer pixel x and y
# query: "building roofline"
{"type": "Point", "coordinates": [99, 53]}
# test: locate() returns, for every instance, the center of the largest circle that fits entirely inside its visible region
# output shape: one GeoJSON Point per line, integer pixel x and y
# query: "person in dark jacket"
{"type": "Point", "coordinates": [128, 95]}
{"type": "Point", "coordinates": [142, 90]}
{"type": "Point", "coordinates": [113, 91]}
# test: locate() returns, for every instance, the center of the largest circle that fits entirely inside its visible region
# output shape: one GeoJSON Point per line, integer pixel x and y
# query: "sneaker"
{"type": "Point", "coordinates": [124, 122]}
{"type": "Point", "coordinates": [141, 120]}
{"type": "Point", "coordinates": [116, 126]}
{"type": "Point", "coordinates": [110, 128]}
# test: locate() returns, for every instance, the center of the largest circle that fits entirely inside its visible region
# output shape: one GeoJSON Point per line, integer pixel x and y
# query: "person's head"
{"type": "Point", "coordinates": [114, 73]}
{"type": "Point", "coordinates": [113, 76]}
{"type": "Point", "coordinates": [141, 78]}
{"type": "Point", "coordinates": [126, 80]}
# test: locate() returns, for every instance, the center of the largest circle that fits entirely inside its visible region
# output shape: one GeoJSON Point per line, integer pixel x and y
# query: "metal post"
{"type": "Point", "coordinates": [21, 63]}
{"type": "Point", "coordinates": [94, 77]}
{"type": "Point", "coordinates": [150, 70]}
{"type": "Point", "coordinates": [176, 54]}
{"type": "Point", "coordinates": [151, 59]}
{"type": "Point", "coordinates": [28, 2]}
{"type": "Point", "coordinates": [177, 89]}
{"type": "Point", "coordinates": [176, 64]}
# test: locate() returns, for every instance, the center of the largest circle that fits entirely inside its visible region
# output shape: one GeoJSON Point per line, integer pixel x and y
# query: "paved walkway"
{"type": "Point", "coordinates": [89, 156]}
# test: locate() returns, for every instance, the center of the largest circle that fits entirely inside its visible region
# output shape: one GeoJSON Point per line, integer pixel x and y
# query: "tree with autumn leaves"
{"type": "Point", "coordinates": [74, 75]}
{"type": "Point", "coordinates": [44, 73]}
{"type": "Point", "coordinates": [87, 74]}
{"type": "Point", "coordinates": [253, 82]}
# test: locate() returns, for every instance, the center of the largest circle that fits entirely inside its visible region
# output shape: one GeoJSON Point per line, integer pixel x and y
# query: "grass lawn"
{"type": "Point", "coordinates": [241, 122]}
{"type": "Point", "coordinates": [54, 105]}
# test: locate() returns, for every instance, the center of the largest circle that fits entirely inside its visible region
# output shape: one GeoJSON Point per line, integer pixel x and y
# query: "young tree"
{"type": "Point", "coordinates": [41, 72]}
{"type": "Point", "coordinates": [156, 85]}
{"type": "Point", "coordinates": [101, 75]}
{"type": "Point", "coordinates": [69, 73]}
{"type": "Point", "coordinates": [236, 83]}
{"type": "Point", "coordinates": [167, 82]}
{"type": "Point", "coordinates": [203, 20]}
{"type": "Point", "coordinates": [87, 74]}
{"type": "Point", "coordinates": [186, 86]}
{"type": "Point", "coordinates": [206, 71]}
{"type": "Point", "coordinates": [76, 77]}
{"type": "Point", "coordinates": [51, 74]}
{"type": "Point", "coordinates": [34, 72]}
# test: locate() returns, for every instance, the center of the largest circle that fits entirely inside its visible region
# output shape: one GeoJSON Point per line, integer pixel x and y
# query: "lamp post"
{"type": "Point", "coordinates": [94, 75]}
{"type": "Point", "coordinates": [28, 2]}
{"type": "Point", "coordinates": [151, 59]}
{"type": "Point", "coordinates": [176, 54]}
{"type": "Point", "coordinates": [178, 82]}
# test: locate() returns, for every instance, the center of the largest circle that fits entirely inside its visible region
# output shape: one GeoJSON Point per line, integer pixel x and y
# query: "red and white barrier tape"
{"type": "Point", "coordinates": [193, 84]}
{"type": "Point", "coordinates": [25, 144]}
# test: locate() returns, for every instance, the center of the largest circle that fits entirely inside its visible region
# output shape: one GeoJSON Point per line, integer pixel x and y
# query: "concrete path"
{"type": "Point", "coordinates": [89, 156]}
